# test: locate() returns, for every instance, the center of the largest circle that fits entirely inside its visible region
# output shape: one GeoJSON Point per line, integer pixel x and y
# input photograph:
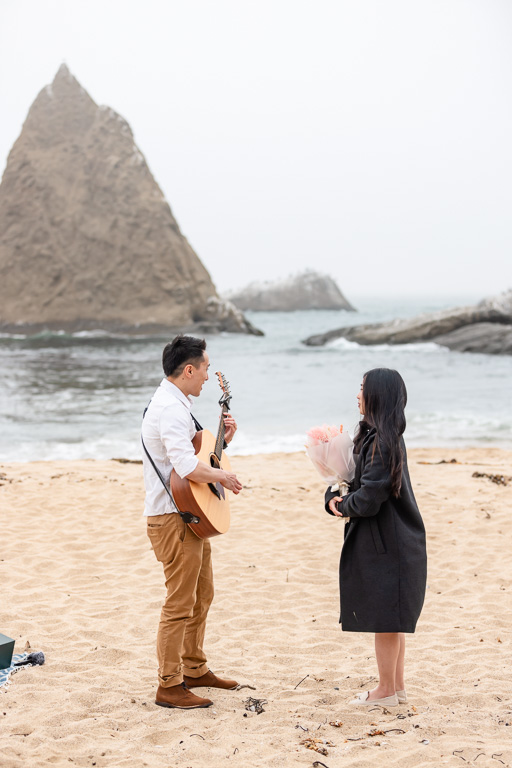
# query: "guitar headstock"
{"type": "Point", "coordinates": [226, 393]}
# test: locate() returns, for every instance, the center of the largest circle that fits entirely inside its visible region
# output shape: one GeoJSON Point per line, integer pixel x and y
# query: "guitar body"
{"type": "Point", "coordinates": [199, 498]}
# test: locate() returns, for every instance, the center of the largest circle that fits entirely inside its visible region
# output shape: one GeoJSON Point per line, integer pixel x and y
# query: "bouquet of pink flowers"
{"type": "Point", "coordinates": [331, 451]}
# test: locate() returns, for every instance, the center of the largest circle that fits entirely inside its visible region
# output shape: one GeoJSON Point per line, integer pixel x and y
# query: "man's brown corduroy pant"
{"type": "Point", "coordinates": [187, 564]}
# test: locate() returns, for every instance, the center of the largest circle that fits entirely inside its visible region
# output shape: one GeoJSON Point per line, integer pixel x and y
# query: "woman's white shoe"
{"type": "Point", "coordinates": [363, 701]}
{"type": "Point", "coordinates": [402, 697]}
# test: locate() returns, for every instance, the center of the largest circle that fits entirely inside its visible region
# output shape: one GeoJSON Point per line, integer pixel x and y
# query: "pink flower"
{"type": "Point", "coordinates": [331, 451]}
{"type": "Point", "coordinates": [323, 434]}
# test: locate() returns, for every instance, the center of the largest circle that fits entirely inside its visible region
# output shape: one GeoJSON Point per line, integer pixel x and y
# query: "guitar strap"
{"type": "Point", "coordinates": [187, 517]}
{"type": "Point", "coordinates": [196, 423]}
{"type": "Point", "coordinates": [199, 429]}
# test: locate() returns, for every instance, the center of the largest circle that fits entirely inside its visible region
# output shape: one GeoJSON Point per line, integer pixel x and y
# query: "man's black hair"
{"type": "Point", "coordinates": [182, 351]}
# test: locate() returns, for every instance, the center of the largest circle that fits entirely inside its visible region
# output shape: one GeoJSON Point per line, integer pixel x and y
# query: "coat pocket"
{"type": "Point", "coordinates": [377, 538]}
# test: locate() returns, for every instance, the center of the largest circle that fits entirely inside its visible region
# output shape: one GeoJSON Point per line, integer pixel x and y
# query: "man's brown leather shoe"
{"type": "Point", "coordinates": [179, 697]}
{"type": "Point", "coordinates": [209, 680]}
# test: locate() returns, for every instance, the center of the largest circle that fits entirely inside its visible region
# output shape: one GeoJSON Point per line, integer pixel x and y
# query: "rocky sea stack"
{"type": "Point", "coordinates": [87, 239]}
{"type": "Point", "coordinates": [306, 290]}
{"type": "Point", "coordinates": [485, 328]}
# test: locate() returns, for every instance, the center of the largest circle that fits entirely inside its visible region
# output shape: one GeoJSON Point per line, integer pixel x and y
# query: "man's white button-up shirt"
{"type": "Point", "coordinates": [167, 430]}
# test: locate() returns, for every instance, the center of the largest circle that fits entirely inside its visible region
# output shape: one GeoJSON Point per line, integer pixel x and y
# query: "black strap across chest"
{"type": "Point", "coordinates": [196, 423]}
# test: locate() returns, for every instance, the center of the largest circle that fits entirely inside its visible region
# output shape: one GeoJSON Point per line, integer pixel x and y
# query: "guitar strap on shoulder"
{"type": "Point", "coordinates": [187, 517]}
{"type": "Point", "coordinates": [196, 423]}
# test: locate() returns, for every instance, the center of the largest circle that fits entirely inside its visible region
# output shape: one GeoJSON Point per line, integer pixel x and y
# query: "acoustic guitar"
{"type": "Point", "coordinates": [207, 501]}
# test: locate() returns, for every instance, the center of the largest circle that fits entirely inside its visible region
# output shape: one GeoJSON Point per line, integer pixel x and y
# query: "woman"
{"type": "Point", "coordinates": [383, 563]}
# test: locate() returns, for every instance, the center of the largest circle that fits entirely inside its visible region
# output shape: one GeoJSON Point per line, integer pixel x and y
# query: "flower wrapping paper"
{"type": "Point", "coordinates": [332, 452]}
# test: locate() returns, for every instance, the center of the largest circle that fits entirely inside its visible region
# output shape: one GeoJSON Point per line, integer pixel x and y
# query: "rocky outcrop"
{"type": "Point", "coordinates": [489, 338]}
{"type": "Point", "coordinates": [306, 290]}
{"type": "Point", "coordinates": [486, 327]}
{"type": "Point", "coordinates": [87, 239]}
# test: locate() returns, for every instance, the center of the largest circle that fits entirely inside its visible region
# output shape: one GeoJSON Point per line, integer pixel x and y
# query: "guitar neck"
{"type": "Point", "coordinates": [224, 408]}
{"type": "Point", "coordinates": [219, 442]}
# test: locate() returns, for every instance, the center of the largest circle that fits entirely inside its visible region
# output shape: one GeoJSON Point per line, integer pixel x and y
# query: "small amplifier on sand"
{"type": "Point", "coordinates": [6, 651]}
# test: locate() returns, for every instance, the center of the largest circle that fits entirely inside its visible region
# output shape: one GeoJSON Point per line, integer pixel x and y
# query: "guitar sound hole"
{"type": "Point", "coordinates": [214, 461]}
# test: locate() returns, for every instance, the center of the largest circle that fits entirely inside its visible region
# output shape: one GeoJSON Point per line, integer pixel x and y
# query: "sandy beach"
{"type": "Point", "coordinates": [80, 582]}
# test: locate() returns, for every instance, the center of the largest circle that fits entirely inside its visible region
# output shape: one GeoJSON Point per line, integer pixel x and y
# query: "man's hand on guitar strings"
{"type": "Point", "coordinates": [230, 427]}
{"type": "Point", "coordinates": [230, 481]}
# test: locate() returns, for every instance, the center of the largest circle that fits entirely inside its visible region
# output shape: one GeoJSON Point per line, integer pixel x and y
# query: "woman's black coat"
{"type": "Point", "coordinates": [383, 564]}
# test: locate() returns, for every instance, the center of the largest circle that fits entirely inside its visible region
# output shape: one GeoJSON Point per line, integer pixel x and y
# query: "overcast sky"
{"type": "Point", "coordinates": [370, 139]}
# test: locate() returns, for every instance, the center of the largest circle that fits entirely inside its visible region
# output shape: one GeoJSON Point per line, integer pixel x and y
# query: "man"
{"type": "Point", "coordinates": [167, 430]}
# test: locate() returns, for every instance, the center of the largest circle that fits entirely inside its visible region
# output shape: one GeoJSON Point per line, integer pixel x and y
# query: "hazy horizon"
{"type": "Point", "coordinates": [369, 141]}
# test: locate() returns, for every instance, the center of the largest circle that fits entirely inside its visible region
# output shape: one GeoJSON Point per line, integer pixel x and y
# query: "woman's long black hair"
{"type": "Point", "coordinates": [384, 400]}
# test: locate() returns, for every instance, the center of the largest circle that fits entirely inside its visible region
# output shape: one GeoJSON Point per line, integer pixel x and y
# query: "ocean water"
{"type": "Point", "coordinates": [71, 396]}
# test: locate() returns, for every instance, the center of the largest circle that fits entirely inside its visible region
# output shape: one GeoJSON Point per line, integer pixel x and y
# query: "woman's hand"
{"type": "Point", "coordinates": [332, 505]}
{"type": "Point", "coordinates": [230, 428]}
